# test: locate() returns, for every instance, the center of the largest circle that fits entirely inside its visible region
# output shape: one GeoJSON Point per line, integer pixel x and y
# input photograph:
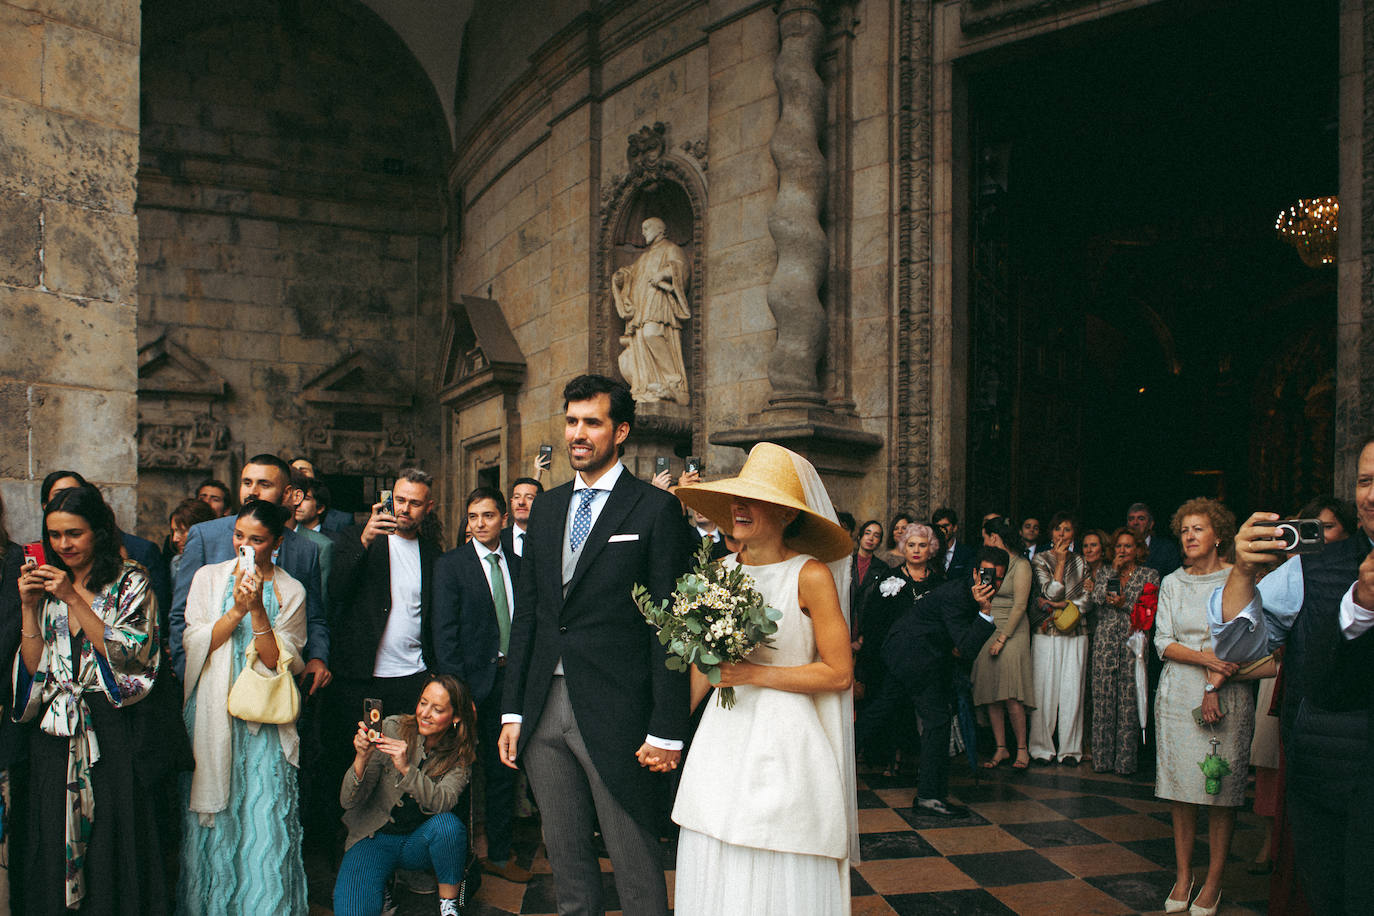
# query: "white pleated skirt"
{"type": "Point", "coordinates": [718, 879]}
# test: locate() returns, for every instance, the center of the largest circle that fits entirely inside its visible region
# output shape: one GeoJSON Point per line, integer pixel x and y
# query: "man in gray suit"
{"type": "Point", "coordinates": [264, 477]}
{"type": "Point", "coordinates": [589, 702]}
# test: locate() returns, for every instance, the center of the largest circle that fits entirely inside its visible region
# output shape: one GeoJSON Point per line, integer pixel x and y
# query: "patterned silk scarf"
{"type": "Point", "coordinates": [130, 614]}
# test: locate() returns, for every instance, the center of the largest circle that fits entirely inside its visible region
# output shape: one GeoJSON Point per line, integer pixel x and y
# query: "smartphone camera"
{"type": "Point", "coordinates": [1114, 586]}
{"type": "Point", "coordinates": [986, 576]}
{"type": "Point", "coordinates": [545, 454]}
{"type": "Point", "coordinates": [385, 500]}
{"type": "Point", "coordinates": [247, 559]}
{"type": "Point", "coordinates": [693, 464]}
{"type": "Point", "coordinates": [372, 718]}
{"type": "Point", "coordinates": [660, 465]}
{"type": "Point", "coordinates": [1299, 535]}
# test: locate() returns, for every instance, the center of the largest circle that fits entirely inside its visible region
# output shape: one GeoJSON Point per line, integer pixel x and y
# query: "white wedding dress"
{"type": "Point", "coordinates": [762, 804]}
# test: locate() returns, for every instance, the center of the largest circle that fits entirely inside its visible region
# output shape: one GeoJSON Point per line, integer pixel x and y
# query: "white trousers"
{"type": "Point", "coordinates": [1058, 667]}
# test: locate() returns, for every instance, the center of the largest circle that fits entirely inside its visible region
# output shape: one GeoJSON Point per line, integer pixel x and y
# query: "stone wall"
{"type": "Point", "coordinates": [68, 241]}
{"type": "Point", "coordinates": [291, 216]}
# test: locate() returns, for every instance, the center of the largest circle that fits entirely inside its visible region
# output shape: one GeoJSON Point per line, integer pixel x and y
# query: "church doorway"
{"type": "Point", "coordinates": [1136, 328]}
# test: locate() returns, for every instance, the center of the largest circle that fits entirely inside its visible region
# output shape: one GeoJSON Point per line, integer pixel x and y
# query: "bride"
{"type": "Point", "coordinates": [767, 799]}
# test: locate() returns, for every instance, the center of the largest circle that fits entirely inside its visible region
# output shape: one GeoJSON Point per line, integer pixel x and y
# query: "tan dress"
{"type": "Point", "coordinates": [1007, 675]}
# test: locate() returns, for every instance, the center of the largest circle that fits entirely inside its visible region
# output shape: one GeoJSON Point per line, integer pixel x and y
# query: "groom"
{"type": "Point", "coordinates": [588, 701]}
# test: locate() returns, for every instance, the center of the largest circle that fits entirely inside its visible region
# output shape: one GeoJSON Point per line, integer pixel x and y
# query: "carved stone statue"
{"type": "Point", "coordinates": [651, 295]}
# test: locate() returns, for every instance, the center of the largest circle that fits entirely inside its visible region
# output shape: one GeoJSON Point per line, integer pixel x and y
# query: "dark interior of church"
{"type": "Point", "coordinates": [1138, 330]}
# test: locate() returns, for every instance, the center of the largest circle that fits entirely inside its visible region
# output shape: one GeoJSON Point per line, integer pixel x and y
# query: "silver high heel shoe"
{"type": "Point", "coordinates": [1180, 906]}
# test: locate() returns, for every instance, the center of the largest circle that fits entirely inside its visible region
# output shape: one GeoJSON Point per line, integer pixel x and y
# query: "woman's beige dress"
{"type": "Point", "coordinates": [1007, 675]}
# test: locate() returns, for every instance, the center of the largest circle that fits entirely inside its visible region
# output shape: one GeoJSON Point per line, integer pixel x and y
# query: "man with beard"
{"type": "Point", "coordinates": [380, 590]}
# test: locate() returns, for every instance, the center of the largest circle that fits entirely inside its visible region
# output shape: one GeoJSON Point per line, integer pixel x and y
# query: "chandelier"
{"type": "Point", "coordinates": [1310, 227]}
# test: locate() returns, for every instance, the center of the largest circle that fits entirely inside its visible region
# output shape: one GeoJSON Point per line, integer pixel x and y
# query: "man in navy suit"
{"type": "Point", "coordinates": [958, 558]}
{"type": "Point", "coordinates": [589, 702]}
{"type": "Point", "coordinates": [1164, 554]}
{"type": "Point", "coordinates": [268, 478]}
{"type": "Point", "coordinates": [474, 598]}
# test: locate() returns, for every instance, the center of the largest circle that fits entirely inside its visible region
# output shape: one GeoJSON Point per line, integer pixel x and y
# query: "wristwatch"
{"type": "Point", "coordinates": [1209, 688]}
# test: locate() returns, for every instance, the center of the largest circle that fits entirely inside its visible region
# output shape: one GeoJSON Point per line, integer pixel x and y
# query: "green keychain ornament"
{"type": "Point", "coordinates": [1213, 769]}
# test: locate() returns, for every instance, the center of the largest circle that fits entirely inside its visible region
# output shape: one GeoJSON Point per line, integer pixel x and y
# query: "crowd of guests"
{"type": "Point", "coordinates": [1102, 645]}
{"type": "Point", "coordinates": [278, 677]}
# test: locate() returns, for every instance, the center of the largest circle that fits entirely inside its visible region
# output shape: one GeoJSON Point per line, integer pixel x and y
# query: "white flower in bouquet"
{"type": "Point", "coordinates": [890, 586]}
{"type": "Point", "coordinates": [714, 616]}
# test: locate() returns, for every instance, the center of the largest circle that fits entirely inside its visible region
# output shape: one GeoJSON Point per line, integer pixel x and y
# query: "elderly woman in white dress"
{"type": "Point", "coordinates": [767, 799]}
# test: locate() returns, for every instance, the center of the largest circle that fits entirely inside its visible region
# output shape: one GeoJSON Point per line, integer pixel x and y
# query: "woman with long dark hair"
{"type": "Point", "coordinates": [88, 652]}
{"type": "Point", "coordinates": [241, 831]}
{"type": "Point", "coordinates": [398, 794]}
{"type": "Point", "coordinates": [1002, 671]}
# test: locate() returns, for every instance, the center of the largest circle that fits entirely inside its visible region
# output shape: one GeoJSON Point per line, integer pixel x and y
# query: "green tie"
{"type": "Point", "coordinates": [498, 597]}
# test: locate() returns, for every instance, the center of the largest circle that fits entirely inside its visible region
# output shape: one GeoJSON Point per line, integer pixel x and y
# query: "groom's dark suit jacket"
{"type": "Point", "coordinates": [620, 689]}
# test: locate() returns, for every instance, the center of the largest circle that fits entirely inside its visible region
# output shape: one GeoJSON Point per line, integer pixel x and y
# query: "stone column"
{"type": "Point", "coordinates": [1355, 252]}
{"type": "Point", "coordinates": [68, 250]}
{"type": "Point", "coordinates": [795, 220]}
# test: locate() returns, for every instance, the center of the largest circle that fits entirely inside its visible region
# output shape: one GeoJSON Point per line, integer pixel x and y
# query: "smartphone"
{"type": "Point", "coordinates": [660, 465]}
{"type": "Point", "coordinates": [33, 556]}
{"type": "Point", "coordinates": [1114, 585]}
{"type": "Point", "coordinates": [986, 576]}
{"type": "Point", "coordinates": [545, 454]}
{"type": "Point", "coordinates": [693, 464]}
{"type": "Point", "coordinates": [247, 559]}
{"type": "Point", "coordinates": [385, 500]}
{"type": "Point", "coordinates": [372, 718]}
{"type": "Point", "coordinates": [1299, 535]}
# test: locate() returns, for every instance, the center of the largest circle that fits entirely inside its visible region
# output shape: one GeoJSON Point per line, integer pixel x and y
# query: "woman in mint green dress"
{"type": "Point", "coordinates": [241, 834]}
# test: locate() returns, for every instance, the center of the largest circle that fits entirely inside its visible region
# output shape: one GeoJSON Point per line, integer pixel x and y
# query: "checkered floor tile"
{"type": "Point", "coordinates": [1052, 840]}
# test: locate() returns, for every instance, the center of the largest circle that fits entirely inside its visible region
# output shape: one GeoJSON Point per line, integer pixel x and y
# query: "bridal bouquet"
{"type": "Point", "coordinates": [715, 616]}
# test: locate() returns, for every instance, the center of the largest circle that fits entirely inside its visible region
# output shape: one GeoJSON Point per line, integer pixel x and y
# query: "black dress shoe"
{"type": "Point", "coordinates": [1069, 761]}
{"type": "Point", "coordinates": [938, 808]}
{"type": "Point", "coordinates": [1040, 761]}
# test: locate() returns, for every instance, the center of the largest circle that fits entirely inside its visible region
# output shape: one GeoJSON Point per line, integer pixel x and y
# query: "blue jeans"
{"type": "Point", "coordinates": [439, 843]}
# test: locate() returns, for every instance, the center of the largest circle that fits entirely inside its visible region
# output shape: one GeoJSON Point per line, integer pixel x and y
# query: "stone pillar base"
{"type": "Point", "coordinates": [834, 442]}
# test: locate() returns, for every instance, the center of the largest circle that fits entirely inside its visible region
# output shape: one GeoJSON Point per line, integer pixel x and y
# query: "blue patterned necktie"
{"type": "Point", "coordinates": [582, 518]}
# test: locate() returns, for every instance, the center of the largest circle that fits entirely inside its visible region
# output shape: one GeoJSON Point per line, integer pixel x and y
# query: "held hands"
{"type": "Point", "coordinates": [248, 595]}
{"type": "Point", "coordinates": [657, 759]}
{"type": "Point", "coordinates": [378, 523]}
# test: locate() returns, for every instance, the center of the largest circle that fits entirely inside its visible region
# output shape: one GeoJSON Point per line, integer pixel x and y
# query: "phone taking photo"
{"type": "Point", "coordinates": [385, 500]}
{"type": "Point", "coordinates": [247, 559]}
{"type": "Point", "coordinates": [693, 464]}
{"type": "Point", "coordinates": [660, 465]}
{"type": "Point", "coordinates": [545, 454]}
{"type": "Point", "coordinates": [372, 718]}
{"type": "Point", "coordinates": [33, 556]}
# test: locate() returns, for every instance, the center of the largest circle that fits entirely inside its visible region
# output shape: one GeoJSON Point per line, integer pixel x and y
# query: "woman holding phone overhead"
{"type": "Point", "coordinates": [241, 799]}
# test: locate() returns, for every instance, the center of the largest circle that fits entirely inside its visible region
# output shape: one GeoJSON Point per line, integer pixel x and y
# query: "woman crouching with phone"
{"type": "Point", "coordinates": [397, 798]}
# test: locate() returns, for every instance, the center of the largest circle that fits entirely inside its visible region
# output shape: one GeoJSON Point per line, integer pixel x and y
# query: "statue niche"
{"type": "Point", "coordinates": [651, 295]}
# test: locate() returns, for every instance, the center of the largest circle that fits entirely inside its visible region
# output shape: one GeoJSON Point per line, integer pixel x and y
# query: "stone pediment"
{"type": "Point", "coordinates": [166, 369]}
{"type": "Point", "coordinates": [980, 16]}
{"type": "Point", "coordinates": [479, 356]}
{"type": "Point", "coordinates": [357, 380]}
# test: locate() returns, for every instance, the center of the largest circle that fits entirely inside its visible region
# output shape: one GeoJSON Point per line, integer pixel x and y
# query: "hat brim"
{"type": "Point", "coordinates": [821, 538]}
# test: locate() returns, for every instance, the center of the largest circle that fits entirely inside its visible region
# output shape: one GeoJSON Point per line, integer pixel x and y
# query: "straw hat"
{"type": "Point", "coordinates": [770, 476]}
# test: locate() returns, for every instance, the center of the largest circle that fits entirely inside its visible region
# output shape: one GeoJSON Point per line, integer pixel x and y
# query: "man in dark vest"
{"type": "Point", "coordinates": [1321, 608]}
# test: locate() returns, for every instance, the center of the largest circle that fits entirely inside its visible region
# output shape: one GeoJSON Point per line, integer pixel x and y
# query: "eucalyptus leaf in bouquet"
{"type": "Point", "coordinates": [714, 616]}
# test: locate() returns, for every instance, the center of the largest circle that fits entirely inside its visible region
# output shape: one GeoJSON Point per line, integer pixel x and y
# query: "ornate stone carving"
{"type": "Point", "coordinates": [197, 444]}
{"type": "Point", "coordinates": [345, 451]}
{"type": "Point", "coordinates": [697, 149]}
{"type": "Point", "coordinates": [913, 391]}
{"type": "Point", "coordinates": [618, 199]}
{"type": "Point", "coordinates": [651, 295]}
{"type": "Point", "coordinates": [479, 356]}
{"type": "Point", "coordinates": [795, 220]}
{"type": "Point", "coordinates": [645, 147]}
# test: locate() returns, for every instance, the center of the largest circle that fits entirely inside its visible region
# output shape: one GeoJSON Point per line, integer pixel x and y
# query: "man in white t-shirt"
{"type": "Point", "coordinates": [380, 590]}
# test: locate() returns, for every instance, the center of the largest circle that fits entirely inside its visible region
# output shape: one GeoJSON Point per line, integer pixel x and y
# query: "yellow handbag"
{"type": "Point", "coordinates": [1066, 618]}
{"type": "Point", "coordinates": [270, 700]}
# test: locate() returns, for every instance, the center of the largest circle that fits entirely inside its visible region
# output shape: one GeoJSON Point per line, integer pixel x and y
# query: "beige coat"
{"type": "Point", "coordinates": [368, 802]}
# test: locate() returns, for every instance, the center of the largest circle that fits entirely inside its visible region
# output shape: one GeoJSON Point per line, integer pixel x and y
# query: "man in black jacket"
{"type": "Point", "coordinates": [474, 600]}
{"type": "Point", "coordinates": [380, 597]}
{"type": "Point", "coordinates": [945, 627]}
